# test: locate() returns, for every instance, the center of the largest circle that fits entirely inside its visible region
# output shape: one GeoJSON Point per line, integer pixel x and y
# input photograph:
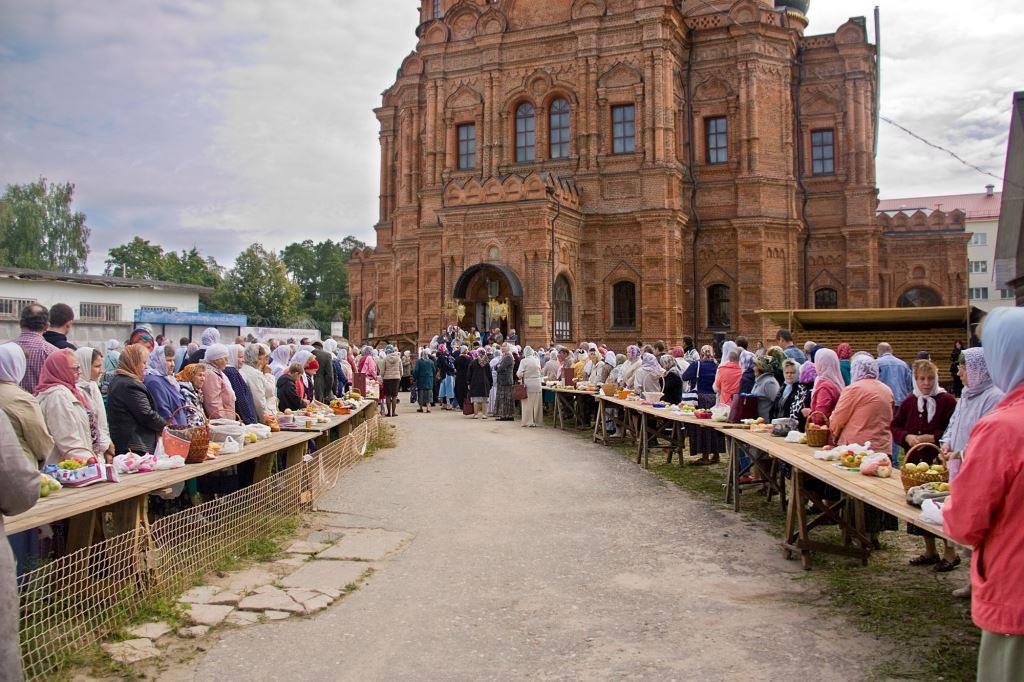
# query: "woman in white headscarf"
{"type": "Point", "coordinates": [91, 362]}
{"type": "Point", "coordinates": [111, 356]}
{"type": "Point", "coordinates": [987, 503]}
{"type": "Point", "coordinates": [218, 396]}
{"type": "Point", "coordinates": [530, 372]}
{"type": "Point", "coordinates": [600, 371]}
{"type": "Point", "coordinates": [21, 407]}
{"type": "Point", "coordinates": [280, 360]}
{"type": "Point", "coordinates": [648, 376]}
{"type": "Point", "coordinates": [261, 384]}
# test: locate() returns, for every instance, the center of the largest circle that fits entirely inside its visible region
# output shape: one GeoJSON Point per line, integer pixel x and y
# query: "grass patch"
{"type": "Point", "coordinates": [383, 439]}
{"type": "Point", "coordinates": [910, 609]}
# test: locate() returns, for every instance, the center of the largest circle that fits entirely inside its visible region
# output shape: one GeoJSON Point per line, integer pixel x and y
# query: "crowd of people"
{"type": "Point", "coordinates": [862, 397]}
{"type": "Point", "coordinates": [61, 401]}
{"type": "Point", "coordinates": [64, 401]}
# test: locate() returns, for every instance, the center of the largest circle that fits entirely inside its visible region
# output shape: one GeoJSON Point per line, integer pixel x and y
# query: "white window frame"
{"type": "Point", "coordinates": [111, 312]}
{"type": "Point", "coordinates": [10, 308]}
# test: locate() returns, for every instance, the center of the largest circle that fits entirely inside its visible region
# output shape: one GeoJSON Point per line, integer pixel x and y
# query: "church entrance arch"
{"type": "Point", "coordinates": [485, 287]}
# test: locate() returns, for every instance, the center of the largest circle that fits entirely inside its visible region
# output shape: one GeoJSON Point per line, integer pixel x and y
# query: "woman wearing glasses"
{"type": "Point", "coordinates": [70, 416]}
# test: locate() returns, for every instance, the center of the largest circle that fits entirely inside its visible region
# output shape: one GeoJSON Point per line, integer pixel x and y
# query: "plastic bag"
{"type": "Point", "coordinates": [931, 511]}
{"type": "Point", "coordinates": [260, 430]}
{"type": "Point", "coordinates": [230, 446]}
{"type": "Point", "coordinates": [869, 465]}
{"type": "Point", "coordinates": [794, 436]}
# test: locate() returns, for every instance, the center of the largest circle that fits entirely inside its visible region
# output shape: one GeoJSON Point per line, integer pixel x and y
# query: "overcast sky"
{"type": "Point", "coordinates": [216, 124]}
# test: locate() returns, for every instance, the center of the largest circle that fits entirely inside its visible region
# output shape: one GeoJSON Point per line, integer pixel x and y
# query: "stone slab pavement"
{"type": "Point", "coordinates": [535, 554]}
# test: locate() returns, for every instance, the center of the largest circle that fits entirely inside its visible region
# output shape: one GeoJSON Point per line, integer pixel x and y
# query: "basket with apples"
{"type": "Point", "coordinates": [921, 466]}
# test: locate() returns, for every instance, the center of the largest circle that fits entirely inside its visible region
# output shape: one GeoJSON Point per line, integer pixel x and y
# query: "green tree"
{"type": "Point", "coordinates": [138, 259]}
{"type": "Point", "coordinates": [39, 229]}
{"type": "Point", "coordinates": [320, 270]}
{"type": "Point", "coordinates": [189, 267]}
{"type": "Point", "coordinates": [258, 286]}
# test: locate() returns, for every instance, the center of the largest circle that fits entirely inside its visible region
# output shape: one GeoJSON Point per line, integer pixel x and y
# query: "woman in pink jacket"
{"type": "Point", "coordinates": [218, 396]}
{"type": "Point", "coordinates": [986, 506]}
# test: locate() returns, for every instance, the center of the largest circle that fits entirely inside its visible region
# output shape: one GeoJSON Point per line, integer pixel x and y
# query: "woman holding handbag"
{"type": "Point", "coordinates": [530, 372]}
{"type": "Point", "coordinates": [504, 406]}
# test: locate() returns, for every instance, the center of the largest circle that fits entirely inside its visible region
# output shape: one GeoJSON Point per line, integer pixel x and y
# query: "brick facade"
{"type": "Point", "coordinates": [659, 212]}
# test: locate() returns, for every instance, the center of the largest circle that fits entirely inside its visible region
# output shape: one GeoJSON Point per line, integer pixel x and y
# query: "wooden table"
{"type": "Point", "coordinates": [569, 400]}
{"type": "Point", "coordinates": [338, 425]}
{"type": "Point", "coordinates": [128, 499]}
{"type": "Point", "coordinates": [666, 413]}
{"type": "Point", "coordinates": [884, 494]}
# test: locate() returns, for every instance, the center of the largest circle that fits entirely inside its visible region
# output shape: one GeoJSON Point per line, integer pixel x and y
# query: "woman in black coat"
{"type": "Point", "coordinates": [462, 363]}
{"type": "Point", "coordinates": [479, 385]}
{"type": "Point", "coordinates": [131, 410]}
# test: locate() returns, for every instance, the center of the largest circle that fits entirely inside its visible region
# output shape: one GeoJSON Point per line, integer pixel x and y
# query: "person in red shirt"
{"type": "Point", "coordinates": [986, 504]}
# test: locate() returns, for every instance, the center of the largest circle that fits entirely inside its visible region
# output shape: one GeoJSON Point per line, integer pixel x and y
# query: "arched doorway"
{"type": "Point", "coordinates": [485, 282]}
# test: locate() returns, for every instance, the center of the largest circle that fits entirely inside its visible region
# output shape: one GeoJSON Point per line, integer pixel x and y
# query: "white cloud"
{"type": "Point", "coordinates": [222, 122]}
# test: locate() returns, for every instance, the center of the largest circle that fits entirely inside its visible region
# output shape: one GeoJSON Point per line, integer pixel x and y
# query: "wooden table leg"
{"type": "Point", "coordinates": [83, 530]}
{"type": "Point", "coordinates": [642, 452]}
{"type": "Point", "coordinates": [795, 497]}
{"type": "Point", "coordinates": [801, 522]}
{"type": "Point", "coordinates": [599, 425]}
{"type": "Point", "coordinates": [264, 467]}
{"type": "Point", "coordinates": [732, 487]}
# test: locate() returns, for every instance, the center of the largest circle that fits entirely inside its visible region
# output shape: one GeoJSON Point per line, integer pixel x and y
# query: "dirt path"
{"type": "Point", "coordinates": [538, 555]}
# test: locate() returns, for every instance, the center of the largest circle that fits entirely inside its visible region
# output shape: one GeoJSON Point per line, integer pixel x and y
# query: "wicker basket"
{"type": "Point", "coordinates": [915, 455]}
{"type": "Point", "coordinates": [609, 389]}
{"type": "Point", "coordinates": [190, 442]}
{"type": "Point", "coordinates": [818, 437]}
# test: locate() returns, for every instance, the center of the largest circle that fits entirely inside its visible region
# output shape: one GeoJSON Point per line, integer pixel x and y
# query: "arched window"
{"type": "Point", "coordinates": [919, 297]}
{"type": "Point", "coordinates": [563, 309]}
{"type": "Point", "coordinates": [559, 133]}
{"type": "Point", "coordinates": [718, 307]}
{"type": "Point", "coordinates": [370, 322]}
{"type": "Point", "coordinates": [826, 298]}
{"type": "Point", "coordinates": [624, 305]}
{"type": "Point", "coordinates": [526, 124]}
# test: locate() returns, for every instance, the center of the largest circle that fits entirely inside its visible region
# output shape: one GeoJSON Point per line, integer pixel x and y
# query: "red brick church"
{"type": "Point", "coordinates": [624, 169]}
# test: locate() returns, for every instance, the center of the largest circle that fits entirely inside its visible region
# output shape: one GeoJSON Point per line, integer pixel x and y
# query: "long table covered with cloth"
{"type": "Point", "coordinates": [856, 491]}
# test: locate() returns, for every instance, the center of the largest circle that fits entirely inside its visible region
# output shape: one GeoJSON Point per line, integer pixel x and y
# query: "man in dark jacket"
{"type": "Point", "coordinates": [61, 316]}
{"type": "Point", "coordinates": [324, 382]}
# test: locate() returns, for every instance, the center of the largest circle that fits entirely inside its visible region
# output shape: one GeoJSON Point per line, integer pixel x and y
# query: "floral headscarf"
{"type": "Point", "coordinates": [142, 337]}
{"type": "Point", "coordinates": [189, 372]}
{"type": "Point", "coordinates": [978, 379]}
{"type": "Point", "coordinates": [844, 351]}
{"type": "Point", "coordinates": [764, 364]}
{"type": "Point", "coordinates": [633, 352]}
{"type": "Point", "coordinates": [210, 336]}
{"type": "Point", "coordinates": [863, 366]}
